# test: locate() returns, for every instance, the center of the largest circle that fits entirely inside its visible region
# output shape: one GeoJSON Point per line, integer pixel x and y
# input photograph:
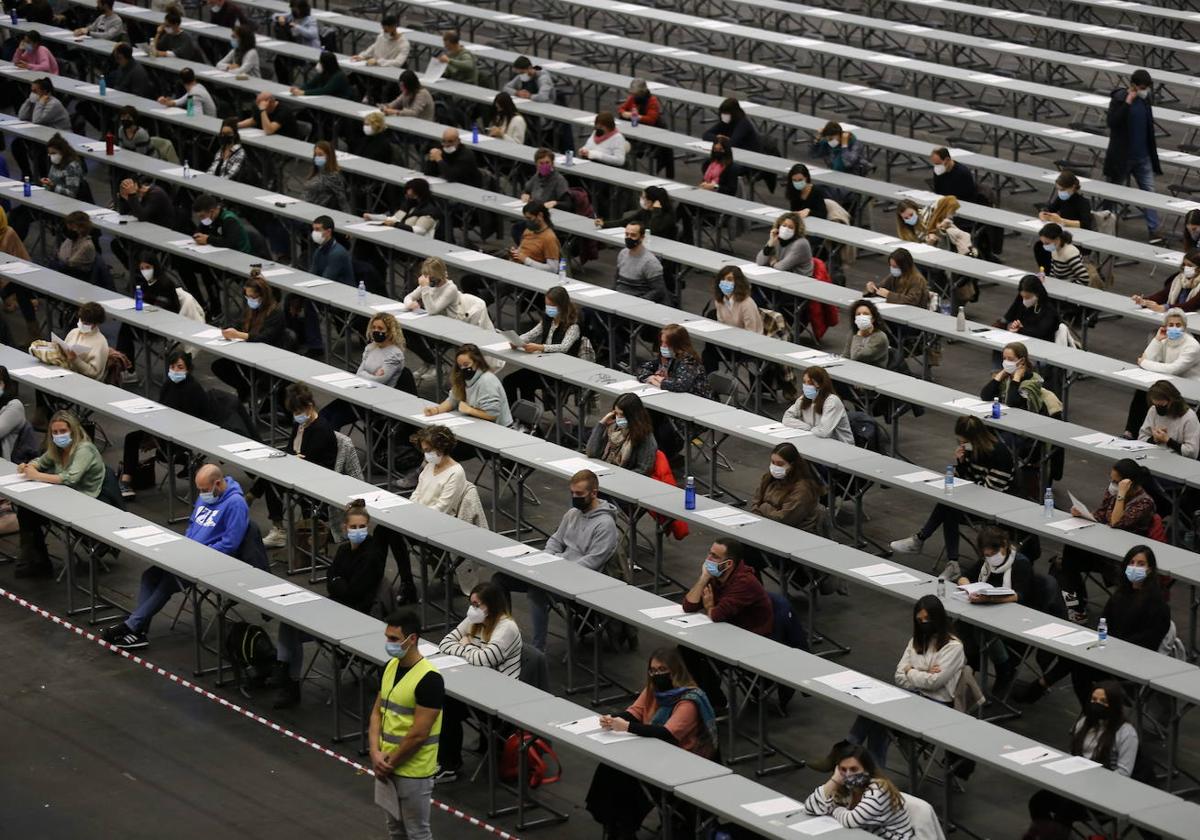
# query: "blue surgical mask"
{"type": "Point", "coordinates": [621, 422]}
{"type": "Point", "coordinates": [1135, 574]}
{"type": "Point", "coordinates": [726, 287]}
{"type": "Point", "coordinates": [799, 183]}
{"type": "Point", "coordinates": [319, 161]}
{"type": "Point", "coordinates": [666, 352]}
{"type": "Point", "coordinates": [1174, 333]}
{"type": "Point", "coordinates": [61, 441]}
{"type": "Point", "coordinates": [206, 498]}
{"type": "Point", "coordinates": [253, 303]}
{"type": "Point", "coordinates": [233, 42]}
{"type": "Point", "coordinates": [551, 311]}
{"type": "Point", "coordinates": [356, 535]}
{"type": "Point", "coordinates": [396, 650]}
{"type": "Point", "coordinates": [810, 391]}
{"type": "Point", "coordinates": [895, 272]}
{"type": "Point", "coordinates": [300, 419]}
{"type": "Point", "coordinates": [713, 568]}
{"type": "Point", "coordinates": [912, 220]}
{"type": "Point", "coordinates": [177, 376]}
{"type": "Point", "coordinates": [1063, 195]}
{"type": "Point", "coordinates": [1050, 247]}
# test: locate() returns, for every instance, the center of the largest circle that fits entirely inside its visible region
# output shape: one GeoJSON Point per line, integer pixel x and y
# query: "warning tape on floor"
{"type": "Point", "coordinates": [360, 769]}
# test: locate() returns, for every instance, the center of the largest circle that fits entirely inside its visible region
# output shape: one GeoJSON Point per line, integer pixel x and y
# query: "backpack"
{"type": "Point", "coordinates": [537, 750]}
{"type": "Point", "coordinates": [248, 646]}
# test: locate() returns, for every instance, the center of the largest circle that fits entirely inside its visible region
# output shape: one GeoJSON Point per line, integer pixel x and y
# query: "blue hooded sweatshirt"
{"type": "Point", "coordinates": [222, 524]}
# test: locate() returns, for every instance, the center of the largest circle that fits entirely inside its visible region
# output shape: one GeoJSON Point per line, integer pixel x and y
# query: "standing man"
{"type": "Point", "coordinates": [1132, 149]}
{"type": "Point", "coordinates": [405, 725]}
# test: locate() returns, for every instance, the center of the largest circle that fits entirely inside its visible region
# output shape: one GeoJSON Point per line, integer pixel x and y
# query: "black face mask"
{"type": "Point", "coordinates": [379, 336]}
{"type": "Point", "coordinates": [661, 682]}
{"type": "Point", "coordinates": [226, 140]}
{"type": "Point", "coordinates": [1096, 711]}
{"type": "Point", "coordinates": [642, 100]}
{"type": "Point", "coordinates": [632, 243]}
{"type": "Point", "coordinates": [1160, 410]}
{"type": "Point", "coordinates": [467, 372]}
{"type": "Point", "coordinates": [126, 124]}
{"type": "Point", "coordinates": [599, 132]}
{"type": "Point", "coordinates": [580, 502]}
{"type": "Point", "coordinates": [532, 227]}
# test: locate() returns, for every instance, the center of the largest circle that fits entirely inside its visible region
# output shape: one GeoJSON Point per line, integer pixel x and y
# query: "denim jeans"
{"type": "Point", "coordinates": [873, 735]}
{"type": "Point", "coordinates": [414, 797]}
{"type": "Point", "coordinates": [1143, 173]}
{"type": "Point", "coordinates": [290, 649]}
{"type": "Point", "coordinates": [539, 606]}
{"type": "Point", "coordinates": [155, 590]}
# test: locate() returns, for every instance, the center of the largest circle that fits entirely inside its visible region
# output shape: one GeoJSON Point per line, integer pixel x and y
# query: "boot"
{"type": "Point", "coordinates": [289, 694]}
{"type": "Point", "coordinates": [33, 561]}
{"type": "Point", "coordinates": [407, 594]}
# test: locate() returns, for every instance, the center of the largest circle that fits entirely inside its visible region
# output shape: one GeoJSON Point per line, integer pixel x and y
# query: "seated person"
{"type": "Point", "coordinates": [1068, 208]}
{"type": "Point", "coordinates": [546, 185]}
{"type": "Point", "coordinates": [454, 161]}
{"type": "Point", "coordinates": [272, 117]}
{"type": "Point", "coordinates": [414, 99]}
{"type": "Point", "coordinates": [506, 122]}
{"type": "Point", "coordinates": [262, 321]}
{"type": "Point", "coordinates": [790, 492]}
{"type": "Point", "coordinates": [328, 81]}
{"type": "Point", "coordinates": [1016, 384]}
{"type": "Point", "coordinates": [352, 581]}
{"type": "Point", "coordinates": [474, 390]}
{"type": "Point", "coordinates": [442, 480]}
{"type": "Point", "coordinates": [904, 283]}
{"type": "Point", "coordinates": [720, 173]}
{"type": "Point", "coordinates": [641, 100]}
{"type": "Point", "coordinates": [735, 305]}
{"type": "Point", "coordinates": [933, 225]}
{"type": "Point", "coordinates": [539, 247]}
{"type": "Point", "coordinates": [170, 41]}
{"type": "Point", "coordinates": [625, 436]}
{"type": "Point", "coordinates": [1066, 261]}
{"type": "Point", "coordinates": [605, 144]}
{"type": "Point", "coordinates": [219, 520]}
{"type": "Point", "coordinates": [76, 253]}
{"type": "Point", "coordinates": [805, 198]}
{"type": "Point", "coordinates": [242, 57]}
{"type": "Point", "coordinates": [1170, 422]}
{"type": "Point", "coordinates": [671, 708]}
{"type": "Point", "coordinates": [655, 211]}
{"type": "Point", "coordinates": [819, 410]}
{"type": "Point", "coordinates": [868, 342]}
{"type": "Point", "coordinates": [70, 459]}
{"type": "Point", "coordinates": [787, 248]}
{"type": "Point", "coordinates": [1172, 351]}
{"type": "Point", "coordinates": [180, 391]}
{"type": "Point", "coordinates": [1182, 289]}
{"type": "Point", "coordinates": [382, 363]}
{"type": "Point", "coordinates": [858, 795]}
{"type": "Point", "coordinates": [1032, 313]}
{"type": "Point", "coordinates": [557, 331]}
{"type": "Point", "coordinates": [678, 368]}
{"type": "Point", "coordinates": [587, 536]}
{"type": "Point", "coordinates": [840, 150]}
{"type": "Point", "coordinates": [733, 123]}
{"type": "Point", "coordinates": [487, 638]}
{"type": "Point", "coordinates": [92, 361]}
{"type": "Point", "coordinates": [418, 215]}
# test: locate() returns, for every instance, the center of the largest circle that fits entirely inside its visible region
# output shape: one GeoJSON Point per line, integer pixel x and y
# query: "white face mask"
{"type": "Point", "coordinates": [777, 472]}
{"type": "Point", "coordinates": [727, 118]}
{"type": "Point", "coordinates": [318, 237]}
{"type": "Point", "coordinates": [55, 158]}
{"type": "Point", "coordinates": [786, 233]}
{"type": "Point", "coordinates": [833, 144]}
{"type": "Point", "coordinates": [1009, 367]}
{"type": "Point", "coordinates": [148, 274]}
{"type": "Point", "coordinates": [939, 169]}
{"type": "Point", "coordinates": [476, 615]}
{"type": "Point", "coordinates": [967, 446]}
{"type": "Point", "coordinates": [863, 322]}
{"type": "Point", "coordinates": [1112, 487]}
{"type": "Point", "coordinates": [995, 560]}
{"type": "Point", "coordinates": [368, 129]}
{"type": "Point", "coordinates": [1189, 272]}
{"type": "Point", "coordinates": [84, 328]}
{"type": "Point", "coordinates": [1028, 302]}
{"type": "Point", "coordinates": [433, 458]}
{"type": "Point", "coordinates": [646, 203]}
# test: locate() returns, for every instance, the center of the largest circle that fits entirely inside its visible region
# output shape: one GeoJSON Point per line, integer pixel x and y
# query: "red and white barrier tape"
{"type": "Point", "coordinates": [360, 769]}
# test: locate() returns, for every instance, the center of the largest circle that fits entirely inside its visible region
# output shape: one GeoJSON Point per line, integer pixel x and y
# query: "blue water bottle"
{"type": "Point", "coordinates": [103, 83]}
{"type": "Point", "coordinates": [13, 14]}
{"type": "Point", "coordinates": [689, 493]}
{"type": "Point", "coordinates": [562, 269]}
{"type": "Point", "coordinates": [1048, 504]}
{"type": "Point", "coordinates": [137, 298]}
{"type": "Point", "coordinates": [995, 408]}
{"type": "Point", "coordinates": [475, 133]}
{"type": "Point", "coordinates": [28, 188]}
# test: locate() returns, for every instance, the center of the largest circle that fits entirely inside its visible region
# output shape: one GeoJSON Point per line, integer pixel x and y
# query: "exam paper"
{"type": "Point", "coordinates": [512, 551]}
{"type": "Point", "coordinates": [536, 559]}
{"type": "Point", "coordinates": [135, 533]}
{"type": "Point", "coordinates": [817, 825]}
{"type": "Point", "coordinates": [276, 590]}
{"type": "Point", "coordinates": [1032, 755]}
{"type": "Point", "coordinates": [295, 598]}
{"type": "Point", "coordinates": [669, 611]}
{"type": "Point", "coordinates": [1071, 764]}
{"type": "Point", "coordinates": [690, 620]}
{"type": "Point", "coordinates": [581, 726]}
{"type": "Point", "coordinates": [770, 807]}
{"type": "Point", "coordinates": [876, 570]}
{"type": "Point", "coordinates": [157, 539]}
{"type": "Point", "coordinates": [611, 737]}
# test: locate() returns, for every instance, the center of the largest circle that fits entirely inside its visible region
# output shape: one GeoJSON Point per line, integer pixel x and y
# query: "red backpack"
{"type": "Point", "coordinates": [537, 751]}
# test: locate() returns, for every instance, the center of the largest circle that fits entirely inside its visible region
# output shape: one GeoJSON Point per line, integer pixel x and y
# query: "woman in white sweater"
{"type": "Point", "coordinates": [931, 666]}
{"type": "Point", "coordinates": [91, 356]}
{"type": "Point", "coordinates": [436, 292]}
{"type": "Point", "coordinates": [507, 122]}
{"type": "Point", "coordinates": [443, 480]}
{"type": "Point", "coordinates": [488, 638]}
{"type": "Point", "coordinates": [606, 145]}
{"type": "Point", "coordinates": [242, 57]}
{"type": "Point", "coordinates": [819, 410]}
{"type": "Point", "coordinates": [1173, 350]}
{"type": "Point", "coordinates": [1170, 423]}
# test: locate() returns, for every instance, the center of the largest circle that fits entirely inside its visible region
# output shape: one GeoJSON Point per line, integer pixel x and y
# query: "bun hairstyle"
{"type": "Point", "coordinates": [1132, 470]}
{"type": "Point", "coordinates": [357, 506]}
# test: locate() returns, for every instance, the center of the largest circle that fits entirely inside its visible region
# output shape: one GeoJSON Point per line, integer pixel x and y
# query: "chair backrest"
{"type": "Point", "coordinates": [164, 149]}
{"type": "Point", "coordinates": [252, 552]}
{"type": "Point", "coordinates": [923, 818]}
{"type": "Point", "coordinates": [534, 670]}
{"type": "Point", "coordinates": [347, 462]}
{"type": "Point", "coordinates": [476, 312]}
{"type": "Point", "coordinates": [470, 508]}
{"type": "Point", "coordinates": [1048, 595]}
{"type": "Point", "coordinates": [526, 413]}
{"type": "Point", "coordinates": [722, 387]}
{"type": "Point", "coordinates": [787, 628]}
{"type": "Point", "coordinates": [1172, 645]}
{"type": "Point", "coordinates": [406, 381]}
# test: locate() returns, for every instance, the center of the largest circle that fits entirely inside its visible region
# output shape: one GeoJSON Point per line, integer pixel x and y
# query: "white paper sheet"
{"type": "Point", "coordinates": [788, 434]}
{"type": "Point", "coordinates": [26, 486]}
{"type": "Point", "coordinates": [445, 663]}
{"type": "Point", "coordinates": [1049, 631]}
{"type": "Point", "coordinates": [720, 512]}
{"type": "Point", "coordinates": [611, 737]}
{"type": "Point", "coordinates": [1074, 523]}
{"type": "Point", "coordinates": [1031, 755]}
{"type": "Point", "coordinates": [296, 598]}
{"type": "Point", "coordinates": [536, 559]}
{"type": "Point", "coordinates": [1071, 764]}
{"type": "Point", "coordinates": [1078, 638]}
{"type": "Point", "coordinates": [1094, 439]}
{"type": "Point", "coordinates": [276, 590]}
{"type": "Point", "coordinates": [669, 611]}
{"type": "Point", "coordinates": [512, 551]}
{"type": "Point", "coordinates": [158, 539]}
{"type": "Point", "coordinates": [581, 726]}
{"type": "Point", "coordinates": [135, 533]}
{"type": "Point", "coordinates": [690, 620]}
{"type": "Point", "coordinates": [877, 570]}
{"type": "Point", "coordinates": [770, 807]}
{"type": "Point", "coordinates": [740, 519]}
{"type": "Point", "coordinates": [574, 465]}
{"type": "Point", "coordinates": [893, 580]}
{"type": "Point", "coordinates": [1084, 513]}
{"type": "Point", "coordinates": [920, 476]}
{"type": "Point", "coordinates": [241, 446]}
{"type": "Point", "coordinates": [815, 826]}
{"type": "Point", "coordinates": [18, 268]}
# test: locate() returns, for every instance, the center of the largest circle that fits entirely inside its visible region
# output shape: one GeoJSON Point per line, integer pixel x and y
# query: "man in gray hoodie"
{"type": "Point", "coordinates": [587, 535]}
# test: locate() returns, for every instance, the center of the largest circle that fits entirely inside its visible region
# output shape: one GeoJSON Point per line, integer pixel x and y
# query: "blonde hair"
{"type": "Point", "coordinates": [376, 121]}
{"type": "Point", "coordinates": [78, 435]}
{"type": "Point", "coordinates": [434, 267]}
{"type": "Point", "coordinates": [390, 326]}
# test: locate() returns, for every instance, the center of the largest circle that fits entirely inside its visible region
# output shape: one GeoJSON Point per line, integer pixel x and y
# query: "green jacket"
{"type": "Point", "coordinates": [83, 472]}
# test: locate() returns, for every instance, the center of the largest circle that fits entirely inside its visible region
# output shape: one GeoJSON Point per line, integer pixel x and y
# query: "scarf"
{"type": "Point", "coordinates": [986, 570]}
{"type": "Point", "coordinates": [1031, 389]}
{"type": "Point", "coordinates": [666, 705]}
{"type": "Point", "coordinates": [619, 446]}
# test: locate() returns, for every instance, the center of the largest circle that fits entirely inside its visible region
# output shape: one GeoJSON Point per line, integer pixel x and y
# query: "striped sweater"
{"type": "Point", "coordinates": [1066, 263]}
{"type": "Point", "coordinates": [874, 813]}
{"type": "Point", "coordinates": [501, 652]}
{"type": "Point", "coordinates": [993, 470]}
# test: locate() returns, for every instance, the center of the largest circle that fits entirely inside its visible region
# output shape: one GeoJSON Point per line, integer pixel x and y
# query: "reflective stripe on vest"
{"type": "Point", "coordinates": [398, 702]}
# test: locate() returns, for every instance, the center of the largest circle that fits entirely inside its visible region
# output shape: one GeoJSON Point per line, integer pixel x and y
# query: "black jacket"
{"type": "Point", "coordinates": [132, 79]}
{"type": "Point", "coordinates": [741, 134]}
{"type": "Point", "coordinates": [319, 446]}
{"type": "Point", "coordinates": [1042, 324]}
{"type": "Point", "coordinates": [356, 572]}
{"type": "Point", "coordinates": [155, 206]}
{"type": "Point", "coordinates": [1116, 158]}
{"type": "Point", "coordinates": [187, 396]}
{"type": "Point", "coordinates": [458, 168]}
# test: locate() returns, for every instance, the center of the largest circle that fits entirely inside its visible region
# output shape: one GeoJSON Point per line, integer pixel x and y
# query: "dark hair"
{"type": "Point", "coordinates": [1031, 283]}
{"type": "Point", "coordinates": [10, 386]}
{"type": "Point", "coordinates": [983, 440]}
{"type": "Point", "coordinates": [536, 208]}
{"type": "Point", "coordinates": [820, 377]}
{"type": "Point", "coordinates": [44, 83]}
{"type": "Point", "coordinates": [993, 536]}
{"type": "Point", "coordinates": [503, 108]}
{"type": "Point", "coordinates": [1055, 231]}
{"type": "Point", "coordinates": [741, 286]}
{"type": "Point", "coordinates": [1141, 77]}
{"type": "Point", "coordinates": [246, 41]}
{"type": "Point", "coordinates": [942, 152]}
{"type": "Point", "coordinates": [1067, 180]}
{"type": "Point", "coordinates": [108, 4]}
{"type": "Point", "coordinates": [680, 675]}
{"type": "Point", "coordinates": [232, 124]}
{"type": "Point", "coordinates": [297, 396]}
{"type": "Point", "coordinates": [300, 8]}
{"type": "Point", "coordinates": [187, 76]}
{"type": "Point", "coordinates": [495, 598]}
{"type": "Point", "coordinates": [733, 548]}
{"type": "Point", "coordinates": [724, 156]}
{"type": "Point", "coordinates": [799, 169]}
{"type": "Point", "coordinates": [204, 203]}
{"type": "Point", "coordinates": [324, 221]}
{"type": "Point", "coordinates": [59, 143]}
{"type": "Point", "coordinates": [541, 153]}
{"type": "Point", "coordinates": [173, 16]}
{"type": "Point", "coordinates": [1164, 389]}
{"type": "Point", "coordinates": [180, 355]}
{"type": "Point", "coordinates": [1019, 350]}
{"type": "Point", "coordinates": [903, 260]}
{"type": "Point", "coordinates": [409, 82]}
{"type": "Point", "coordinates": [868, 304]}
{"type": "Point", "coordinates": [440, 438]}
{"type": "Point", "coordinates": [732, 107]}
{"type": "Point", "coordinates": [798, 470]}
{"type": "Point", "coordinates": [457, 384]}
{"type": "Point", "coordinates": [452, 36]}
{"type": "Point", "coordinates": [92, 313]}
{"type": "Point", "coordinates": [124, 50]}
{"type": "Point", "coordinates": [660, 195]}
{"type": "Point", "coordinates": [1130, 469]}
{"type": "Point", "coordinates": [406, 620]}
{"type": "Point", "coordinates": [1114, 695]}
{"type": "Point", "coordinates": [328, 62]}
{"type": "Point", "coordinates": [1151, 587]}
{"type": "Point", "coordinates": [35, 37]}
{"type": "Point", "coordinates": [522, 62]}
{"type": "Point", "coordinates": [831, 128]}
{"type": "Point", "coordinates": [640, 425]}
{"type": "Point", "coordinates": [79, 220]}
{"type": "Point", "coordinates": [605, 120]}
{"type": "Point", "coordinates": [419, 186]}
{"type": "Point", "coordinates": [357, 507]}
{"type": "Point", "coordinates": [937, 629]}
{"type": "Point", "coordinates": [844, 750]}
{"type": "Point", "coordinates": [390, 19]}
{"type": "Point", "coordinates": [128, 111]}
{"type": "Point", "coordinates": [254, 318]}
{"type": "Point", "coordinates": [1192, 217]}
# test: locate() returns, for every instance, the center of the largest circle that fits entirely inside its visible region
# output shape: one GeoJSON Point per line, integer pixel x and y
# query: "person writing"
{"type": "Point", "coordinates": [474, 390]}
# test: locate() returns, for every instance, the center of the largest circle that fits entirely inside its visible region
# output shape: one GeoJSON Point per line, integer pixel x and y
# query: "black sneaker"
{"type": "Point", "coordinates": [446, 775]}
{"type": "Point", "coordinates": [119, 635]}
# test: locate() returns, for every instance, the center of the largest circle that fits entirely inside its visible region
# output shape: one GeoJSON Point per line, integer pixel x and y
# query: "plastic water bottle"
{"type": "Point", "coordinates": [137, 298]}
{"type": "Point", "coordinates": [191, 106]}
{"type": "Point", "coordinates": [562, 269]}
{"type": "Point", "coordinates": [187, 171]}
{"type": "Point", "coordinates": [1048, 504]}
{"type": "Point", "coordinates": [995, 408]}
{"type": "Point", "coordinates": [13, 15]}
{"type": "Point", "coordinates": [28, 188]}
{"type": "Point", "coordinates": [933, 302]}
{"type": "Point", "coordinates": [1102, 632]}
{"type": "Point", "coordinates": [944, 305]}
{"type": "Point", "coordinates": [941, 588]}
{"type": "Point", "coordinates": [475, 133]}
{"type": "Point", "coordinates": [634, 116]}
{"type": "Point", "coordinates": [689, 493]}
{"type": "Point", "coordinates": [109, 142]}
{"type": "Point", "coordinates": [948, 486]}
{"type": "Point", "coordinates": [569, 158]}
{"type": "Point", "coordinates": [961, 323]}
{"type": "Point", "coordinates": [362, 293]}
{"type": "Point", "coordinates": [103, 83]}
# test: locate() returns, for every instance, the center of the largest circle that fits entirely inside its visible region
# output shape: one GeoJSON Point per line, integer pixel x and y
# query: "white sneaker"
{"type": "Point", "coordinates": [952, 572]}
{"type": "Point", "coordinates": [275, 538]}
{"type": "Point", "coordinates": [910, 545]}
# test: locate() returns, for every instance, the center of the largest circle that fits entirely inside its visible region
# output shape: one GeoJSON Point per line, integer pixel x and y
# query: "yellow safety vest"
{"type": "Point", "coordinates": [398, 702]}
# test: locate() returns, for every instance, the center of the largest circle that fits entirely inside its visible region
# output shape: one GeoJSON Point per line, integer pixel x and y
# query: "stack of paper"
{"type": "Point", "coordinates": [512, 551]}
{"type": "Point", "coordinates": [137, 405]}
{"type": "Point", "coordinates": [581, 726]}
{"type": "Point", "coordinates": [966, 590]}
{"type": "Point", "coordinates": [574, 465]}
{"type": "Point", "coordinates": [771, 807]}
{"type": "Point", "coordinates": [728, 516]}
{"type": "Point", "coordinates": [867, 689]}
{"type": "Point", "coordinates": [1031, 755]}
{"type": "Point", "coordinates": [885, 574]}
{"type": "Point", "coordinates": [441, 419]}
{"type": "Point", "coordinates": [669, 611]}
{"type": "Point", "coordinates": [251, 450]}
{"type": "Point", "coordinates": [39, 372]}
{"type": "Point", "coordinates": [539, 559]}
{"type": "Point", "coordinates": [816, 357]}
{"type": "Point", "coordinates": [381, 499]}
{"type": "Point", "coordinates": [973, 406]}
{"type": "Point", "coordinates": [696, 619]}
